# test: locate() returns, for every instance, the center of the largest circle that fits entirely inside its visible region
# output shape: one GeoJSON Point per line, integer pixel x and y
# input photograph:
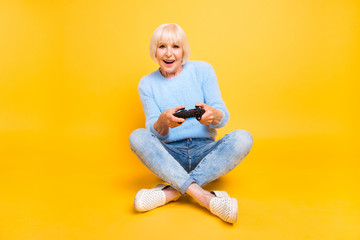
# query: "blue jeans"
{"type": "Point", "coordinates": [199, 160]}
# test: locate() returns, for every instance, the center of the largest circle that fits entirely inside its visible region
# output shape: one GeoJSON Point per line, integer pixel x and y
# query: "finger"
{"type": "Point", "coordinates": [175, 124]}
{"type": "Point", "coordinates": [205, 115]}
{"type": "Point", "coordinates": [174, 110]}
{"type": "Point", "coordinates": [207, 119]}
{"type": "Point", "coordinates": [178, 108]}
{"type": "Point", "coordinates": [200, 104]}
{"type": "Point", "coordinates": [176, 119]}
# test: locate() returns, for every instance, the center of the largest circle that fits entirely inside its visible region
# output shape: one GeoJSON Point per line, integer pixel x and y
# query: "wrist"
{"type": "Point", "coordinates": [161, 126]}
{"type": "Point", "coordinates": [217, 116]}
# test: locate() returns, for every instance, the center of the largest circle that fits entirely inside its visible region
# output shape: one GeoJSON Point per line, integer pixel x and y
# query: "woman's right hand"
{"type": "Point", "coordinates": [167, 119]}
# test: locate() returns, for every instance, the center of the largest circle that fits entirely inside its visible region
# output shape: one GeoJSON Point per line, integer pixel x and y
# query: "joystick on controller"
{"type": "Point", "coordinates": [197, 112]}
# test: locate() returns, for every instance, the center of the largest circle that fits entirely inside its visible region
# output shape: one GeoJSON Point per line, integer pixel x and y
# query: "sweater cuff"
{"type": "Point", "coordinates": [221, 123]}
{"type": "Point", "coordinates": [157, 134]}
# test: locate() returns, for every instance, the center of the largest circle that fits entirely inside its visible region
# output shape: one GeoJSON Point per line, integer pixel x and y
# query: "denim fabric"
{"type": "Point", "coordinates": [199, 160]}
{"type": "Point", "coordinates": [191, 151]}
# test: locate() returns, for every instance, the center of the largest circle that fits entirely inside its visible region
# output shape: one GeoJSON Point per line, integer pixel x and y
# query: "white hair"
{"type": "Point", "coordinates": [173, 33]}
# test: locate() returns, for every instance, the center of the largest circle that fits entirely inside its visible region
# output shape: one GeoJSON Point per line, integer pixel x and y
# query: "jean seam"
{"type": "Point", "coordinates": [203, 161]}
{"type": "Point", "coordinates": [182, 185]}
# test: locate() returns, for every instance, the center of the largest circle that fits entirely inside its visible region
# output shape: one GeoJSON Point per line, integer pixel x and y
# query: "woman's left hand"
{"type": "Point", "coordinates": [211, 115]}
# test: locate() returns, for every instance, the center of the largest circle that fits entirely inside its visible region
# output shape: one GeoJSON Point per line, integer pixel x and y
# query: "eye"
{"type": "Point", "coordinates": [162, 46]}
{"type": "Point", "coordinates": [176, 46]}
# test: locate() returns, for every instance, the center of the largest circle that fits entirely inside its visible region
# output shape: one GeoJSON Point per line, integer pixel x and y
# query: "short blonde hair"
{"type": "Point", "coordinates": [170, 32]}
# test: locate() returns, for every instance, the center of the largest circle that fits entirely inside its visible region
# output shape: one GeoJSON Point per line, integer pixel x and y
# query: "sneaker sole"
{"type": "Point", "coordinates": [234, 210]}
{"type": "Point", "coordinates": [137, 203]}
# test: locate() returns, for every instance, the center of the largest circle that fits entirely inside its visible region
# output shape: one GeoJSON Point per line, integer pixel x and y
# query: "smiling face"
{"type": "Point", "coordinates": [169, 56]}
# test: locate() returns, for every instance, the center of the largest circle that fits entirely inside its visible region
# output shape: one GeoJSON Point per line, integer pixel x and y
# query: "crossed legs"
{"type": "Point", "coordinates": [228, 153]}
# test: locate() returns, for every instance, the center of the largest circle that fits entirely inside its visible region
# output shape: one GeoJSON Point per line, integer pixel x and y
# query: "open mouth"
{"type": "Point", "coordinates": [169, 62]}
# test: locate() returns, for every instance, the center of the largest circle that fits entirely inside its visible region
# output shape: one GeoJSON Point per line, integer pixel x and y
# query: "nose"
{"type": "Point", "coordinates": [168, 52]}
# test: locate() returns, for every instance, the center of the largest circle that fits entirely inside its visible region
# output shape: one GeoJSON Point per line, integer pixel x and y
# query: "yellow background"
{"type": "Point", "coordinates": [288, 72]}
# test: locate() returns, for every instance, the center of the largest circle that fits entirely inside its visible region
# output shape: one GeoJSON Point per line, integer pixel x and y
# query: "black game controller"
{"type": "Point", "coordinates": [197, 112]}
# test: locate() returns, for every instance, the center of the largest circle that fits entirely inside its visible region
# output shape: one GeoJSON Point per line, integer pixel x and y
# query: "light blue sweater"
{"type": "Point", "coordinates": [196, 83]}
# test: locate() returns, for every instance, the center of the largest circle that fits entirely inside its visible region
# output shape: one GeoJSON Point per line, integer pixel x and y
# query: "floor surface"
{"type": "Point", "coordinates": [294, 188]}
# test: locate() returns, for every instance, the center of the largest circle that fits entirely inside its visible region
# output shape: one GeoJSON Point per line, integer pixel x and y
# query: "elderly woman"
{"type": "Point", "coordinates": [183, 152]}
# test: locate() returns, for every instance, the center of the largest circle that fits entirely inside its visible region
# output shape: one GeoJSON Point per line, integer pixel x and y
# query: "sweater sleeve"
{"type": "Point", "coordinates": [151, 109]}
{"type": "Point", "coordinates": [212, 94]}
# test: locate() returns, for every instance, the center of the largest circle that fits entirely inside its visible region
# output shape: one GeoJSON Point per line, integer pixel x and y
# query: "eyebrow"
{"type": "Point", "coordinates": [173, 43]}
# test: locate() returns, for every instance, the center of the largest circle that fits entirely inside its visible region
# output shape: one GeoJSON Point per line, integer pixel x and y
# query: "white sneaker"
{"type": "Point", "coordinates": [148, 199]}
{"type": "Point", "coordinates": [224, 207]}
{"type": "Point", "coordinates": [222, 194]}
